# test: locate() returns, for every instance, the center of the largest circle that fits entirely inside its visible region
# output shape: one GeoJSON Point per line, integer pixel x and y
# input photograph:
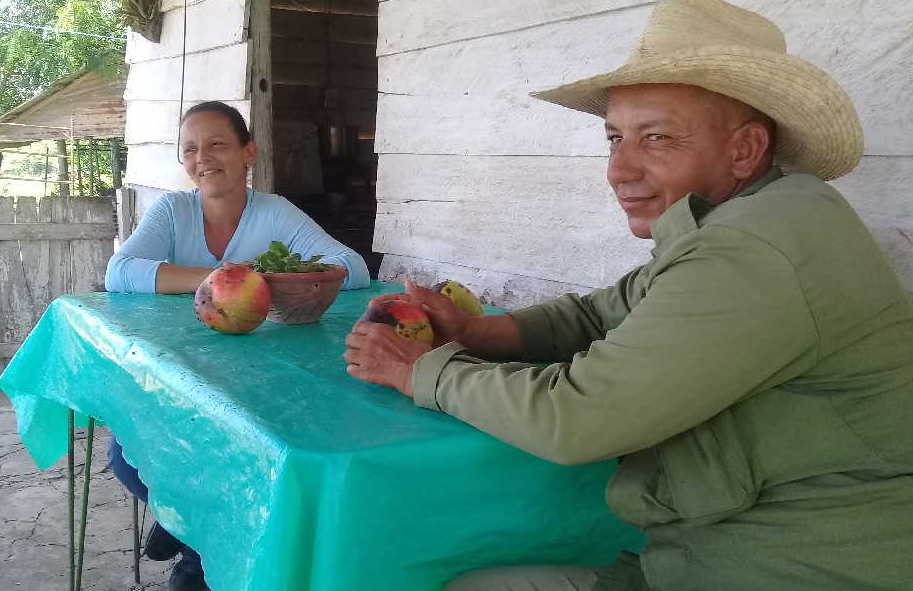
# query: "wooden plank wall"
{"type": "Point", "coordinates": [483, 184]}
{"type": "Point", "coordinates": [216, 68]}
{"type": "Point", "coordinates": [47, 249]}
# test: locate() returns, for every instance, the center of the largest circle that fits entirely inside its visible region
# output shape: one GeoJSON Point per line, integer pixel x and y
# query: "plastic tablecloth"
{"type": "Point", "coordinates": [286, 473]}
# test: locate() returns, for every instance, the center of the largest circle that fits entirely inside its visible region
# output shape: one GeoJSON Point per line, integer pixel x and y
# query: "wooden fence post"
{"type": "Point", "coordinates": [77, 163]}
{"type": "Point", "coordinates": [126, 204]}
{"type": "Point", "coordinates": [47, 165]}
{"type": "Point", "coordinates": [115, 163]}
{"type": "Point", "coordinates": [63, 169]}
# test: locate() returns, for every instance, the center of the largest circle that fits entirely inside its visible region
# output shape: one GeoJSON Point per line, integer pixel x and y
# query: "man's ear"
{"type": "Point", "coordinates": [750, 147]}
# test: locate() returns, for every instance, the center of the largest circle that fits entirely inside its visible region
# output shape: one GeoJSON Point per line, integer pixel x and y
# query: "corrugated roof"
{"type": "Point", "coordinates": [89, 102]}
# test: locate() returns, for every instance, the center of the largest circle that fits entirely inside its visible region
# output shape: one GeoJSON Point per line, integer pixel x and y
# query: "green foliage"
{"type": "Point", "coordinates": [278, 259]}
{"type": "Point", "coordinates": [140, 14]}
{"type": "Point", "coordinates": [31, 60]}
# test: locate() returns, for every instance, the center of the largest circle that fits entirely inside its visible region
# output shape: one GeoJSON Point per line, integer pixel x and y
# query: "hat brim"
{"type": "Point", "coordinates": [818, 129]}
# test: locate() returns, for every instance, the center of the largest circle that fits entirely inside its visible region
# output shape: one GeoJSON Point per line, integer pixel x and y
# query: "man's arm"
{"type": "Point", "coordinates": [557, 330]}
{"type": "Point", "coordinates": [552, 331]}
{"type": "Point", "coordinates": [724, 321]}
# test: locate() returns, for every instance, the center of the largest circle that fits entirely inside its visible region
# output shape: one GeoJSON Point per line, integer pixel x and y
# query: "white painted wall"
{"type": "Point", "coordinates": [480, 183]}
{"type": "Point", "coordinates": [215, 69]}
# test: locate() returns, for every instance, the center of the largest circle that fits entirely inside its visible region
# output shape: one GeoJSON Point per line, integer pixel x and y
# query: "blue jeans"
{"type": "Point", "coordinates": [129, 477]}
{"type": "Point", "coordinates": [124, 472]}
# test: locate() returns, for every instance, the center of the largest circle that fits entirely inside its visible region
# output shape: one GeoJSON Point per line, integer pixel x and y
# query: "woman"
{"type": "Point", "coordinates": [184, 235]}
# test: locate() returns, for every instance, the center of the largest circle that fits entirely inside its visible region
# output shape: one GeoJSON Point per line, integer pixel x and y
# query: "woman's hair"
{"type": "Point", "coordinates": [234, 117]}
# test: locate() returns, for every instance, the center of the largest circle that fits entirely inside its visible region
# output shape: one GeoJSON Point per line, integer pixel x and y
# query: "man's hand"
{"type": "Point", "coordinates": [449, 322]}
{"type": "Point", "coordinates": [376, 354]}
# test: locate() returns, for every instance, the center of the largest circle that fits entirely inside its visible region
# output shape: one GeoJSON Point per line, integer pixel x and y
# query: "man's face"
{"type": "Point", "coordinates": [666, 140]}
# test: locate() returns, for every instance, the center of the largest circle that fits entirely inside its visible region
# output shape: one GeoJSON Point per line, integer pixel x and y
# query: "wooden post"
{"type": "Point", "coordinates": [125, 201]}
{"type": "Point", "coordinates": [261, 93]}
{"type": "Point", "coordinates": [63, 169]}
{"type": "Point", "coordinates": [115, 163]}
{"type": "Point", "coordinates": [77, 163]}
{"type": "Point", "coordinates": [47, 165]}
{"type": "Point", "coordinates": [96, 181]}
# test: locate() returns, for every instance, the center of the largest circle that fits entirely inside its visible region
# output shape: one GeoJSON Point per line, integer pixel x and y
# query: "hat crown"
{"type": "Point", "coordinates": [677, 25]}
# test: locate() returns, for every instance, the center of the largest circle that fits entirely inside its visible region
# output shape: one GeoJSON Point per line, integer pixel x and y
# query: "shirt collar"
{"type": "Point", "coordinates": [685, 214]}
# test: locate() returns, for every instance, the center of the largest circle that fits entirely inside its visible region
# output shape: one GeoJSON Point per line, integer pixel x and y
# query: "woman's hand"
{"type": "Point", "coordinates": [376, 354]}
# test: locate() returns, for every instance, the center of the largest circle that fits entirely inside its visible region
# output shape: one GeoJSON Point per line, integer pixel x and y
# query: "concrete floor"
{"type": "Point", "coordinates": [33, 521]}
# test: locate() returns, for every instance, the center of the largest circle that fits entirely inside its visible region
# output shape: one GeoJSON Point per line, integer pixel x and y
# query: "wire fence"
{"type": "Point", "coordinates": [76, 167]}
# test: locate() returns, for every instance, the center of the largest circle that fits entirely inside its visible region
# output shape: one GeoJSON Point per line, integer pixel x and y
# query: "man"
{"type": "Point", "coordinates": [755, 377]}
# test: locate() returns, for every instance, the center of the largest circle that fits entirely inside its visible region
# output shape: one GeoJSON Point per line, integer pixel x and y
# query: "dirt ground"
{"type": "Point", "coordinates": [33, 521]}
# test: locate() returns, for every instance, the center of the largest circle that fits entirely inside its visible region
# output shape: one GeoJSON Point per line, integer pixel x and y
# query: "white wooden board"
{"type": "Point", "coordinates": [881, 185]}
{"type": "Point", "coordinates": [506, 290]}
{"type": "Point", "coordinates": [467, 125]}
{"type": "Point", "coordinates": [203, 31]}
{"type": "Point", "coordinates": [549, 218]}
{"type": "Point", "coordinates": [407, 25]}
{"type": "Point", "coordinates": [867, 46]}
{"type": "Point", "coordinates": [219, 74]}
{"type": "Point", "coordinates": [483, 83]}
{"type": "Point", "coordinates": [881, 190]}
{"type": "Point", "coordinates": [157, 121]}
{"type": "Point", "coordinates": [156, 165]}
{"type": "Point", "coordinates": [169, 5]}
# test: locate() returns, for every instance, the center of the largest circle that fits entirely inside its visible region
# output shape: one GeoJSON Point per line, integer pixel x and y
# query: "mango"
{"type": "Point", "coordinates": [232, 299]}
{"type": "Point", "coordinates": [407, 319]}
{"type": "Point", "coordinates": [461, 296]}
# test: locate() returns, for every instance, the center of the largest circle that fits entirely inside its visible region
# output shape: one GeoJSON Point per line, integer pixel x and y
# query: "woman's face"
{"type": "Point", "coordinates": [213, 155]}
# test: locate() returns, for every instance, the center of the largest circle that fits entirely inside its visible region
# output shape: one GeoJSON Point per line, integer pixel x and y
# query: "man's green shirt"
{"type": "Point", "coordinates": [756, 377]}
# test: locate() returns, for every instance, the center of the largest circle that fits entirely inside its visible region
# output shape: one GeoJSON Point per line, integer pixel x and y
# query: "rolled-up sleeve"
{"type": "Point", "coordinates": [724, 320]}
{"type": "Point", "coordinates": [133, 267]}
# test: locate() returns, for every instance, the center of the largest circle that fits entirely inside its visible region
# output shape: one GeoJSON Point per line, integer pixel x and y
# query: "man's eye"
{"type": "Point", "coordinates": [656, 137]}
{"type": "Point", "coordinates": [189, 150]}
{"type": "Point", "coordinates": [614, 139]}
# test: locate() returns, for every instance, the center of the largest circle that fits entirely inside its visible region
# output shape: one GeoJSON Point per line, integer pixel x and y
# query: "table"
{"type": "Point", "coordinates": [283, 471]}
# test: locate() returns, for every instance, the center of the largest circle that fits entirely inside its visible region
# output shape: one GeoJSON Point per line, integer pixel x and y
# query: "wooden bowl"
{"type": "Point", "coordinates": [301, 298]}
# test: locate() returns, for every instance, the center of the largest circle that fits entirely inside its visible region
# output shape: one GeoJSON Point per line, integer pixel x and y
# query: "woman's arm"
{"type": "Point", "coordinates": [305, 236]}
{"type": "Point", "coordinates": [179, 279]}
{"type": "Point", "coordinates": [139, 265]}
{"type": "Point", "coordinates": [133, 268]}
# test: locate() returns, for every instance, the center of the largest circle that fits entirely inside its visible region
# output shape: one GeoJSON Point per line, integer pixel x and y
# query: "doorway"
{"type": "Point", "coordinates": [324, 103]}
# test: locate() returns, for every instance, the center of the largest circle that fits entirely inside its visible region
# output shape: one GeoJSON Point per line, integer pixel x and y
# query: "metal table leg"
{"type": "Point", "coordinates": [71, 496]}
{"type": "Point", "coordinates": [76, 563]}
{"type": "Point", "coordinates": [136, 540]}
{"type": "Point", "coordinates": [86, 476]}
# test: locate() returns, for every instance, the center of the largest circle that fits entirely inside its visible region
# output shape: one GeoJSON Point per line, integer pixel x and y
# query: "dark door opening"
{"type": "Point", "coordinates": [324, 74]}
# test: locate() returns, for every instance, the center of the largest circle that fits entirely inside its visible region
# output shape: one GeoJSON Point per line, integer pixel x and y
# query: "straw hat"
{"type": "Point", "coordinates": [740, 54]}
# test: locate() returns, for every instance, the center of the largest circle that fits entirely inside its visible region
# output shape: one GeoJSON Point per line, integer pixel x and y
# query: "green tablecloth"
{"type": "Point", "coordinates": [284, 472]}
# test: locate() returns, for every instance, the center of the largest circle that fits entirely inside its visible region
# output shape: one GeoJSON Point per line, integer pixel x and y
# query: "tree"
{"type": "Point", "coordinates": [31, 60]}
